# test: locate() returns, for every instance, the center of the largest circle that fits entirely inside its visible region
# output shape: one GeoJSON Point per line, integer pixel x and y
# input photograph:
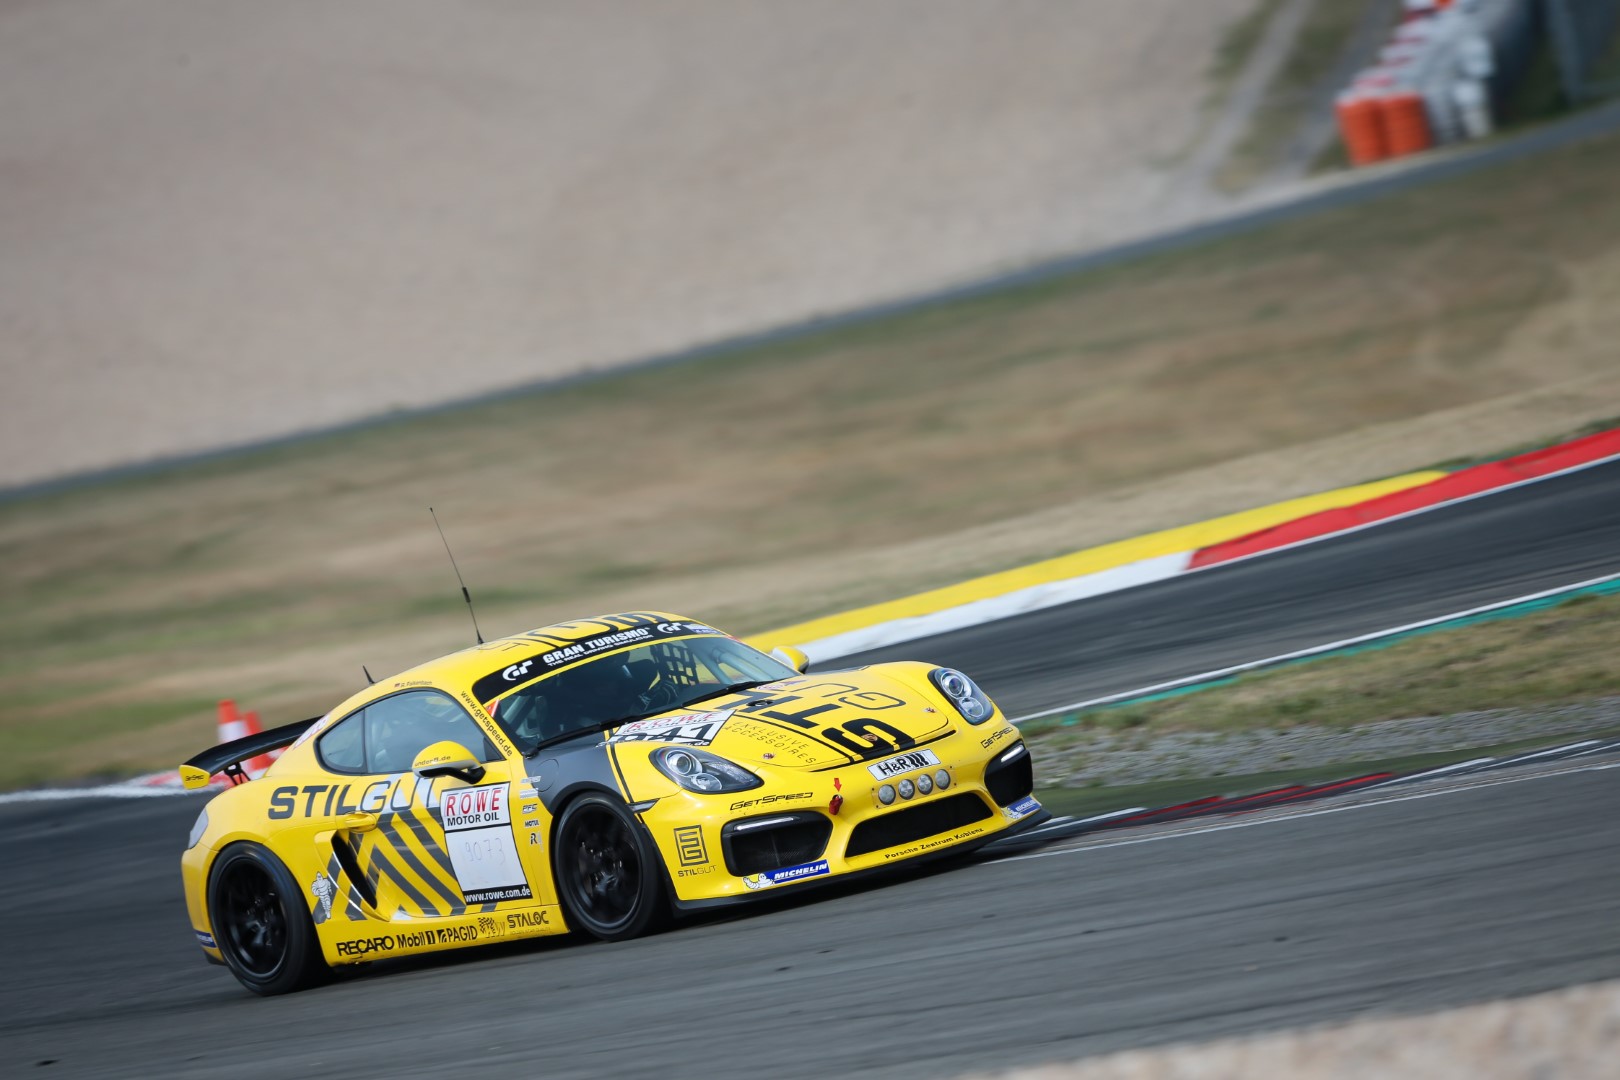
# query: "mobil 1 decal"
{"type": "Point", "coordinates": [483, 852]}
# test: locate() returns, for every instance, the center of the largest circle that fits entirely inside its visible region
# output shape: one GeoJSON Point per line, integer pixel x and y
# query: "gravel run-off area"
{"type": "Point", "coordinates": [1086, 755]}
{"type": "Point", "coordinates": [222, 221]}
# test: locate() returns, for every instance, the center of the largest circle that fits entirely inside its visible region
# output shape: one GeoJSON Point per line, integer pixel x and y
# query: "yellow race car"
{"type": "Point", "coordinates": [593, 776]}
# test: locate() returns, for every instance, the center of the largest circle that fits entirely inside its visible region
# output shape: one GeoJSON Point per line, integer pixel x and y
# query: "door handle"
{"type": "Point", "coordinates": [359, 821]}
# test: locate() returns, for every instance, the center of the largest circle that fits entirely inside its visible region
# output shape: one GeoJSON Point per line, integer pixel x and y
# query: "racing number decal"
{"type": "Point", "coordinates": [863, 729]}
{"type": "Point", "coordinates": [859, 736]}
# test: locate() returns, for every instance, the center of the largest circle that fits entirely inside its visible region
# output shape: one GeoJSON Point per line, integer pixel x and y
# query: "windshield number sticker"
{"type": "Point", "coordinates": [891, 767]}
{"type": "Point", "coordinates": [687, 729]}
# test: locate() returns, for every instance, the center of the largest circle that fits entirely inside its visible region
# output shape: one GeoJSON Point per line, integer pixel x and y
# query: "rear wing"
{"type": "Point", "coordinates": [228, 757]}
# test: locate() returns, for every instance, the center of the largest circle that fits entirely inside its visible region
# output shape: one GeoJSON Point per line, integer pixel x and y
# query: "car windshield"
{"type": "Point", "coordinates": [643, 681]}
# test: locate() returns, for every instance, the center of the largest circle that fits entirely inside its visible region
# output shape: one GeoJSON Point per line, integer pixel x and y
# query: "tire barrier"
{"type": "Point", "coordinates": [1448, 69]}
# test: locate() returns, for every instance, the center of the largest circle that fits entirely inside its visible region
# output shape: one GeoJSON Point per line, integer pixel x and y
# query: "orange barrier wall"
{"type": "Point", "coordinates": [1406, 124]}
{"type": "Point", "coordinates": [1362, 128]}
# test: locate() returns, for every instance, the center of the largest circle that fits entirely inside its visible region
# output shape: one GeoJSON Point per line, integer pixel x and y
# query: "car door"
{"type": "Point", "coordinates": [418, 848]}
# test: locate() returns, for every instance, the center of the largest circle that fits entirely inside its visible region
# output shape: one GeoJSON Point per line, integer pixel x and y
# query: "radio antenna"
{"type": "Point", "coordinates": [465, 595]}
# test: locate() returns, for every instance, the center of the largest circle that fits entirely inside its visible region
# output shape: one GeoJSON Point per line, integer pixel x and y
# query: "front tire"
{"type": "Point", "coordinates": [260, 923]}
{"type": "Point", "coordinates": [608, 876]}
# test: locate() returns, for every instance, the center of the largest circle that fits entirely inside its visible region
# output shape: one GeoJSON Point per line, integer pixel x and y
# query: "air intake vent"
{"type": "Point", "coordinates": [917, 822]}
{"type": "Point", "coordinates": [754, 845]}
{"type": "Point", "coordinates": [1009, 780]}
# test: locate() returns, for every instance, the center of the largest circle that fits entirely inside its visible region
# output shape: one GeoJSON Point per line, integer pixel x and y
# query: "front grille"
{"type": "Point", "coordinates": [1009, 781]}
{"type": "Point", "coordinates": [754, 845]}
{"type": "Point", "coordinates": [915, 822]}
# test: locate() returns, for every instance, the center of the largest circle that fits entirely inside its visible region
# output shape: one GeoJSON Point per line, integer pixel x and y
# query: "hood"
{"type": "Point", "coordinates": [808, 722]}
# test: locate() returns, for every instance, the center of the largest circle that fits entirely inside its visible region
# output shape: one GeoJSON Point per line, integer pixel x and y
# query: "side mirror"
{"type": "Point", "coordinates": [448, 758]}
{"type": "Point", "coordinates": [792, 657]}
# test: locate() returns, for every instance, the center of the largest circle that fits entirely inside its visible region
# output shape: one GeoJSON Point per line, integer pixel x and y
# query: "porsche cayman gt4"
{"type": "Point", "coordinates": [594, 776]}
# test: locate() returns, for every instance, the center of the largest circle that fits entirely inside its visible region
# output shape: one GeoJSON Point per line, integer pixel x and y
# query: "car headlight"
{"type": "Point", "coordinates": [198, 827]}
{"type": "Point", "coordinates": [964, 693]}
{"type": "Point", "coordinates": [701, 771]}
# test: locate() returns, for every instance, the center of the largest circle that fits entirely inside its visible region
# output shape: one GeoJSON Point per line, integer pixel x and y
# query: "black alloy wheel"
{"type": "Point", "coordinates": [607, 874]}
{"type": "Point", "coordinates": [260, 924]}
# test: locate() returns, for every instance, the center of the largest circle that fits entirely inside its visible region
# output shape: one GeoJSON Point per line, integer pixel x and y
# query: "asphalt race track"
{"type": "Point", "coordinates": [1434, 898]}
{"type": "Point", "coordinates": [1402, 907]}
{"type": "Point", "coordinates": [1557, 531]}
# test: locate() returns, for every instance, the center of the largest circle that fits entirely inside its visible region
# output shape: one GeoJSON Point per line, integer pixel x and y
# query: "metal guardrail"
{"type": "Point", "coordinates": [1581, 33]}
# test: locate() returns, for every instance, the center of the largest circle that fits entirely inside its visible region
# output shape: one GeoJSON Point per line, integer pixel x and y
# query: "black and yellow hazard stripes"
{"type": "Point", "coordinates": [326, 897]}
{"type": "Point", "coordinates": [407, 867]}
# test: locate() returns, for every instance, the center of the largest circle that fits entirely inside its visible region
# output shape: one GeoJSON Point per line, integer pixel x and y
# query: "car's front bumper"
{"type": "Point", "coordinates": [832, 825]}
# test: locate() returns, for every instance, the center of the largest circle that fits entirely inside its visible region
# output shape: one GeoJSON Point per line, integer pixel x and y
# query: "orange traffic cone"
{"type": "Point", "coordinates": [231, 724]}
{"type": "Point", "coordinates": [234, 725]}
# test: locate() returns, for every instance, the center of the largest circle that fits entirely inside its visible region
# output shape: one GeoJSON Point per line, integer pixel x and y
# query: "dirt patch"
{"type": "Point", "coordinates": [222, 220]}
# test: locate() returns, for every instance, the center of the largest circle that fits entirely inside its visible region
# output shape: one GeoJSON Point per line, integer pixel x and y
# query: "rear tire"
{"type": "Point", "coordinates": [260, 923]}
{"type": "Point", "coordinates": [609, 876]}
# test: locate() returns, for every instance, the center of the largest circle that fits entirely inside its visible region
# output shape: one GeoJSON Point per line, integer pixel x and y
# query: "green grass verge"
{"type": "Point", "coordinates": [1558, 654]}
{"type": "Point", "coordinates": [1102, 798]}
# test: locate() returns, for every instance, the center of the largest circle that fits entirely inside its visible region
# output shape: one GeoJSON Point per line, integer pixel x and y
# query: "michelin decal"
{"type": "Point", "coordinates": [323, 889]}
{"type": "Point", "coordinates": [1022, 808]}
{"type": "Point", "coordinates": [787, 874]}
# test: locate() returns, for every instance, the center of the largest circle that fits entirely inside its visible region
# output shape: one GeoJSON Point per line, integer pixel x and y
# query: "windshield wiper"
{"type": "Point", "coordinates": [603, 725]}
{"type": "Point", "coordinates": [588, 729]}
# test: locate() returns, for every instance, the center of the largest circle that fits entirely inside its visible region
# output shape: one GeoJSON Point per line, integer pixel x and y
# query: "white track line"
{"type": "Point", "coordinates": [1315, 650]}
{"type": "Point", "coordinates": [1403, 515]}
{"type": "Point", "coordinates": [109, 791]}
{"type": "Point", "coordinates": [1522, 758]}
{"type": "Point", "coordinates": [1005, 605]}
{"type": "Point", "coordinates": [1126, 576]}
{"type": "Point", "coordinates": [1430, 774]}
{"type": "Point", "coordinates": [1093, 845]}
